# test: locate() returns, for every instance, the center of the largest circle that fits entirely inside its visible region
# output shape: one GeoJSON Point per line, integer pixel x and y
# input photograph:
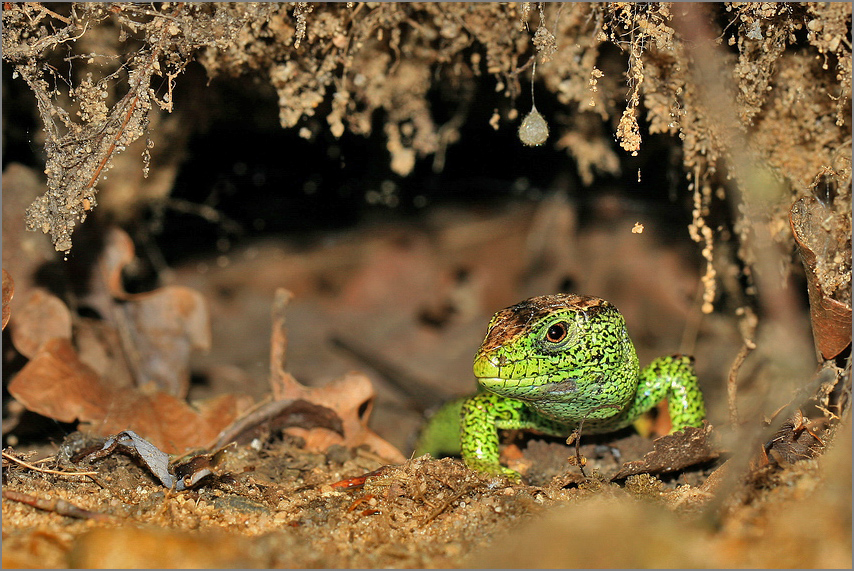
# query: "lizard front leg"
{"type": "Point", "coordinates": [672, 378]}
{"type": "Point", "coordinates": [483, 415]}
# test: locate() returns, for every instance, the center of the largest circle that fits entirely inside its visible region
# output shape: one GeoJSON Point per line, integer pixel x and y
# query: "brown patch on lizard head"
{"type": "Point", "coordinates": [510, 323]}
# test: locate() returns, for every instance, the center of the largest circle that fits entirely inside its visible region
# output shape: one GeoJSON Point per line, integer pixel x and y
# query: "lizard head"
{"type": "Point", "coordinates": [565, 351]}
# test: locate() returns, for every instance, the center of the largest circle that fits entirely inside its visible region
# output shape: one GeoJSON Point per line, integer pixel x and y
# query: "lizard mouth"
{"type": "Point", "coordinates": [498, 382]}
{"type": "Point", "coordinates": [488, 373]}
{"type": "Point", "coordinates": [528, 389]}
{"type": "Point", "coordinates": [514, 388]}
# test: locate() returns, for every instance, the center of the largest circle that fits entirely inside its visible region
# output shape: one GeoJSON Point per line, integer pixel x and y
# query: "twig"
{"type": "Point", "coordinates": [45, 470]}
{"type": "Point", "coordinates": [112, 147]}
{"type": "Point", "coordinates": [732, 381]}
{"type": "Point", "coordinates": [38, 6]}
{"type": "Point", "coordinates": [747, 325]}
{"type": "Point", "coordinates": [575, 438]}
{"type": "Point", "coordinates": [524, 66]}
{"type": "Point", "coordinates": [280, 379]}
{"type": "Point", "coordinates": [56, 505]}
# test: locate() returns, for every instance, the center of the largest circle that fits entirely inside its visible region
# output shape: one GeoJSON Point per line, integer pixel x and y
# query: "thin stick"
{"type": "Point", "coordinates": [732, 383]}
{"type": "Point", "coordinates": [45, 470]}
{"type": "Point", "coordinates": [41, 8]}
{"type": "Point", "coordinates": [524, 66]}
{"type": "Point", "coordinates": [576, 436]}
{"type": "Point", "coordinates": [280, 379]}
{"type": "Point", "coordinates": [109, 153]}
{"type": "Point", "coordinates": [748, 330]}
{"type": "Point", "coordinates": [56, 505]}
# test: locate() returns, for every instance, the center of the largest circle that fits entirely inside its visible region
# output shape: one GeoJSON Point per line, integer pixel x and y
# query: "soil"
{"type": "Point", "coordinates": [336, 200]}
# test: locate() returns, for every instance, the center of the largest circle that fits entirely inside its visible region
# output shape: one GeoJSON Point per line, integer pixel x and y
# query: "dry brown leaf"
{"type": "Point", "coordinates": [167, 325]}
{"type": "Point", "coordinates": [26, 255]}
{"type": "Point", "coordinates": [117, 254]}
{"type": "Point", "coordinates": [272, 416]}
{"type": "Point", "coordinates": [155, 333]}
{"type": "Point", "coordinates": [145, 340]}
{"type": "Point", "coordinates": [56, 384]}
{"type": "Point", "coordinates": [795, 440]}
{"type": "Point", "coordinates": [99, 345]}
{"type": "Point", "coordinates": [350, 397]}
{"type": "Point", "coordinates": [831, 318]}
{"type": "Point", "coordinates": [346, 396]}
{"type": "Point", "coordinates": [167, 422]}
{"type": "Point", "coordinates": [39, 317]}
{"type": "Point", "coordinates": [8, 292]}
{"type": "Point", "coordinates": [158, 329]}
{"type": "Point", "coordinates": [674, 452]}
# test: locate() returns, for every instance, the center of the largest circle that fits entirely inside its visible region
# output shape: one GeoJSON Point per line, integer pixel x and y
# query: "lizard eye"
{"type": "Point", "coordinates": [557, 332]}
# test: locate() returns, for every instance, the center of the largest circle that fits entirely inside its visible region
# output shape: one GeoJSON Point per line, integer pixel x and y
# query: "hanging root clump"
{"type": "Point", "coordinates": [349, 64]}
{"type": "Point", "coordinates": [83, 132]}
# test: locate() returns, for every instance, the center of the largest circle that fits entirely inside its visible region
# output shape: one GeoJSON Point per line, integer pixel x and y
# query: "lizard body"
{"type": "Point", "coordinates": [551, 363]}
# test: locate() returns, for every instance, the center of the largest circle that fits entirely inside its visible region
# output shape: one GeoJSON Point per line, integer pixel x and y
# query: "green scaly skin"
{"type": "Point", "coordinates": [551, 363]}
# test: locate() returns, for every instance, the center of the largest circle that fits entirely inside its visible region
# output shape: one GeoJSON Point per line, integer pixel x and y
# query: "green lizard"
{"type": "Point", "coordinates": [551, 363]}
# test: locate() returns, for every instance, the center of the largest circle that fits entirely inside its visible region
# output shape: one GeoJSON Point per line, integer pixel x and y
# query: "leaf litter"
{"type": "Point", "coordinates": [308, 490]}
{"type": "Point", "coordinates": [294, 481]}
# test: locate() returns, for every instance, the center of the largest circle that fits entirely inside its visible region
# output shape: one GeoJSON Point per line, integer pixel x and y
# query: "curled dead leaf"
{"type": "Point", "coordinates": [8, 292]}
{"type": "Point", "coordinates": [276, 415]}
{"type": "Point", "coordinates": [170, 423]}
{"type": "Point", "coordinates": [158, 329]}
{"type": "Point", "coordinates": [166, 325]}
{"type": "Point", "coordinates": [117, 254]}
{"type": "Point", "coordinates": [56, 384]}
{"type": "Point", "coordinates": [99, 345]}
{"type": "Point", "coordinates": [180, 474]}
{"type": "Point", "coordinates": [795, 440]}
{"type": "Point", "coordinates": [39, 317]}
{"type": "Point", "coordinates": [350, 397]}
{"type": "Point", "coordinates": [819, 246]}
{"type": "Point", "coordinates": [674, 452]}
